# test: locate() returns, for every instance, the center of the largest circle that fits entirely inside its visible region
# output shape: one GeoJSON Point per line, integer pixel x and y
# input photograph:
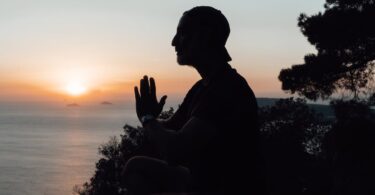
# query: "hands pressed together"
{"type": "Point", "coordinates": [145, 99]}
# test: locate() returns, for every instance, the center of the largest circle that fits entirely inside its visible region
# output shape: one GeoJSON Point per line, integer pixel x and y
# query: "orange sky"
{"type": "Point", "coordinates": [107, 46]}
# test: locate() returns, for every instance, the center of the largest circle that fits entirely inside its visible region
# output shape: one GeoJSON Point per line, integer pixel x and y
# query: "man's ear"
{"type": "Point", "coordinates": [211, 37]}
{"type": "Point", "coordinates": [206, 37]}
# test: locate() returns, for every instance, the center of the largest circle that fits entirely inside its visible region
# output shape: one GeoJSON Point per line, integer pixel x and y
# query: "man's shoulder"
{"type": "Point", "coordinates": [197, 85]}
{"type": "Point", "coordinates": [229, 93]}
{"type": "Point", "coordinates": [233, 84]}
{"type": "Point", "coordinates": [193, 90]}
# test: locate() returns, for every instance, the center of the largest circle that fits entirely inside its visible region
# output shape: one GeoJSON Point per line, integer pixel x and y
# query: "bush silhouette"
{"type": "Point", "coordinates": [350, 148]}
{"type": "Point", "coordinates": [292, 135]}
{"type": "Point", "coordinates": [115, 153]}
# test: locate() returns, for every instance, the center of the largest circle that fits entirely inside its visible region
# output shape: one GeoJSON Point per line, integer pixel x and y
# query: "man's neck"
{"type": "Point", "coordinates": [209, 69]}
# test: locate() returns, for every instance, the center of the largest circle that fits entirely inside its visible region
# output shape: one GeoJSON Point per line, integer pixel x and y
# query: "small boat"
{"type": "Point", "coordinates": [106, 103]}
{"type": "Point", "coordinates": [73, 105]}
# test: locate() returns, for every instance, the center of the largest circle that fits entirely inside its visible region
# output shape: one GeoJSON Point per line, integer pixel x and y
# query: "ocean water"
{"type": "Point", "coordinates": [47, 148]}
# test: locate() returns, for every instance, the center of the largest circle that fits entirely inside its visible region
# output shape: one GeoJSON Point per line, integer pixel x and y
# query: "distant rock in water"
{"type": "Point", "coordinates": [73, 105]}
{"type": "Point", "coordinates": [106, 103]}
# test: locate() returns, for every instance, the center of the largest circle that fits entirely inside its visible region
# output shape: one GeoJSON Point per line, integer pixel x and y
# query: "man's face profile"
{"type": "Point", "coordinates": [201, 36]}
{"type": "Point", "coordinates": [189, 42]}
{"type": "Point", "coordinates": [182, 42]}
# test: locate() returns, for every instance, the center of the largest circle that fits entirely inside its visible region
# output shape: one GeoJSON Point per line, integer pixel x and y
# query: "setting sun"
{"type": "Point", "coordinates": [75, 89]}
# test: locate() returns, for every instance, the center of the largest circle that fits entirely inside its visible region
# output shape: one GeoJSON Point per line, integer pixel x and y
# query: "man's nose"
{"type": "Point", "coordinates": [174, 40]}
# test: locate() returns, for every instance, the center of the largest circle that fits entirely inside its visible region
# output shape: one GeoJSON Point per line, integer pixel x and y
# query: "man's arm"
{"type": "Point", "coordinates": [177, 145]}
{"type": "Point", "coordinates": [176, 121]}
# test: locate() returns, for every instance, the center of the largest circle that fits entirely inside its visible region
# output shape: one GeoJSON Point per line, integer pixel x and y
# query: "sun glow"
{"type": "Point", "coordinates": [75, 89]}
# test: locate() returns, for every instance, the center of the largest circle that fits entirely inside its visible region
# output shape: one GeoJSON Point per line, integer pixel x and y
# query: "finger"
{"type": "Point", "coordinates": [147, 84]}
{"type": "Point", "coordinates": [162, 101]}
{"type": "Point", "coordinates": [136, 93]}
{"type": "Point", "coordinates": [144, 87]}
{"type": "Point", "coordinates": [152, 88]}
{"type": "Point", "coordinates": [137, 99]}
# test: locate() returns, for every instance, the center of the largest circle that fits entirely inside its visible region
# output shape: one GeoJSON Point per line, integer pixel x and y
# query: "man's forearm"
{"type": "Point", "coordinates": [159, 134]}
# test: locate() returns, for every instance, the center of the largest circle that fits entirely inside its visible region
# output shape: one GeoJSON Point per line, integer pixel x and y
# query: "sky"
{"type": "Point", "coordinates": [103, 47]}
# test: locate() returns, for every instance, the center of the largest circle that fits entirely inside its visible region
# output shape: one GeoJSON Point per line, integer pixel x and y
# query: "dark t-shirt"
{"type": "Point", "coordinates": [231, 152]}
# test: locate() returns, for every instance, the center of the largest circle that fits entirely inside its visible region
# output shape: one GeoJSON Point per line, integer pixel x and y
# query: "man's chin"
{"type": "Point", "coordinates": [183, 61]}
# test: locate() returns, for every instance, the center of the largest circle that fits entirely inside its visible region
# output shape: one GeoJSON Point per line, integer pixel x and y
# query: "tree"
{"type": "Point", "coordinates": [344, 36]}
{"type": "Point", "coordinates": [292, 134]}
{"type": "Point", "coordinates": [115, 154]}
{"type": "Point", "coordinates": [349, 148]}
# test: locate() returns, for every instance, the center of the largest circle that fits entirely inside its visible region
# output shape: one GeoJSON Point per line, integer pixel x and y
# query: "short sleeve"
{"type": "Point", "coordinates": [180, 117]}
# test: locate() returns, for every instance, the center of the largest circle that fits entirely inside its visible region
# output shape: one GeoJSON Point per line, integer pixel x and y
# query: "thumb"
{"type": "Point", "coordinates": [162, 101]}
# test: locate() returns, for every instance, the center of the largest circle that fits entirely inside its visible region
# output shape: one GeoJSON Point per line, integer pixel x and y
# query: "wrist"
{"type": "Point", "coordinates": [145, 119]}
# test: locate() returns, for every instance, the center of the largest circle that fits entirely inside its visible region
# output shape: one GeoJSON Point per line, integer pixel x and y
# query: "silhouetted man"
{"type": "Point", "coordinates": [211, 143]}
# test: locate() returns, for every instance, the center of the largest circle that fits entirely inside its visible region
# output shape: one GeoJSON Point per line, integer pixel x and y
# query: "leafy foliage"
{"type": "Point", "coordinates": [292, 120]}
{"type": "Point", "coordinates": [292, 136]}
{"type": "Point", "coordinates": [299, 147]}
{"type": "Point", "coordinates": [306, 154]}
{"type": "Point", "coordinates": [345, 40]}
{"type": "Point", "coordinates": [349, 148]}
{"type": "Point", "coordinates": [115, 153]}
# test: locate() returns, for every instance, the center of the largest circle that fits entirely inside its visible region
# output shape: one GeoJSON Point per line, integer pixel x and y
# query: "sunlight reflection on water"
{"type": "Point", "coordinates": [49, 149]}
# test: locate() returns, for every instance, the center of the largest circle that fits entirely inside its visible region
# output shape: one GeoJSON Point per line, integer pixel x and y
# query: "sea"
{"type": "Point", "coordinates": [49, 147]}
